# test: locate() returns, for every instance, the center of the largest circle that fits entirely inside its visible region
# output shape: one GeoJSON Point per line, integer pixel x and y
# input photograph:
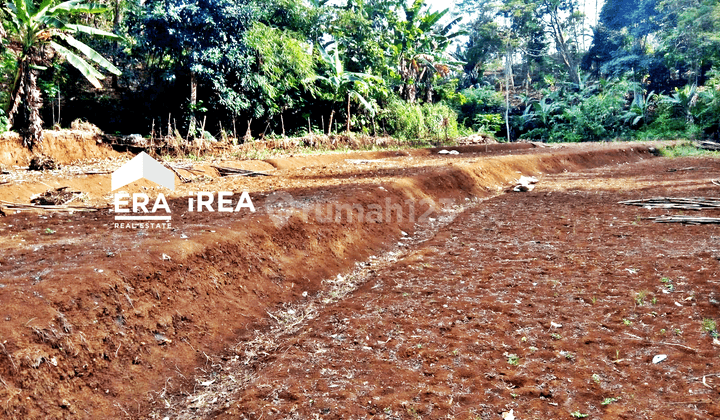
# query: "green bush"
{"type": "Point", "coordinates": [413, 121]}
{"type": "Point", "coordinates": [665, 124]}
{"type": "Point", "coordinates": [4, 122]}
{"type": "Point", "coordinates": [488, 123]}
{"type": "Point", "coordinates": [478, 101]}
{"type": "Point", "coordinates": [708, 106]}
{"type": "Point", "coordinates": [590, 114]}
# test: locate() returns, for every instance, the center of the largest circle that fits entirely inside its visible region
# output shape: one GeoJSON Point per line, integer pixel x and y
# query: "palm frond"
{"type": "Point", "coordinates": [83, 66]}
{"type": "Point", "coordinates": [91, 54]}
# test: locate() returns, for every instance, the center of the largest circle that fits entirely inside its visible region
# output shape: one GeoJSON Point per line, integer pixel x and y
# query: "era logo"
{"type": "Point", "coordinates": [142, 166]}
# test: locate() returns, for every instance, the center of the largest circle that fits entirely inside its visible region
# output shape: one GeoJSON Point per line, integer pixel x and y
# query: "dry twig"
{"type": "Point", "coordinates": [225, 171]}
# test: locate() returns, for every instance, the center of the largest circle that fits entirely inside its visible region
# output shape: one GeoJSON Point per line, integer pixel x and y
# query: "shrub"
{"type": "Point", "coordinates": [590, 114]}
{"type": "Point", "coordinates": [488, 123]}
{"type": "Point", "coordinates": [4, 122]}
{"type": "Point", "coordinates": [478, 101]}
{"type": "Point", "coordinates": [708, 106]}
{"type": "Point", "coordinates": [414, 121]}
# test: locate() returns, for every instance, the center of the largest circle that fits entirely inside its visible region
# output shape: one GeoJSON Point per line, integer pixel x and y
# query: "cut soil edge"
{"type": "Point", "coordinates": [119, 346]}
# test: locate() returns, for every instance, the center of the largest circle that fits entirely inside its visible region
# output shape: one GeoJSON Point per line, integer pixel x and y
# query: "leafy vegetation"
{"type": "Point", "coordinates": [38, 30]}
{"type": "Point", "coordinates": [219, 69]}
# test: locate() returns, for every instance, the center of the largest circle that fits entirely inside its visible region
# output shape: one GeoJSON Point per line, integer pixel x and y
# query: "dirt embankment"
{"type": "Point", "coordinates": [65, 147]}
{"type": "Point", "coordinates": [98, 322]}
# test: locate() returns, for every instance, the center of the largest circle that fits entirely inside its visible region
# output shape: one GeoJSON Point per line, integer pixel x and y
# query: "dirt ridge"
{"type": "Point", "coordinates": [117, 342]}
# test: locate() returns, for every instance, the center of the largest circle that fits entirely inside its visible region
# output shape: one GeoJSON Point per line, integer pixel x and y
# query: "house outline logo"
{"type": "Point", "coordinates": [143, 166]}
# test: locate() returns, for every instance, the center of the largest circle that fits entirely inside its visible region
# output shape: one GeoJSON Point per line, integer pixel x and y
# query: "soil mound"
{"type": "Point", "coordinates": [63, 146]}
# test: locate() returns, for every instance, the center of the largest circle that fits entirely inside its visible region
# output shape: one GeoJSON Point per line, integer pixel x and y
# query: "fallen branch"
{"type": "Point", "coordinates": [689, 203]}
{"type": "Point", "coordinates": [707, 145]}
{"type": "Point", "coordinates": [679, 345]}
{"type": "Point", "coordinates": [20, 206]}
{"type": "Point", "coordinates": [182, 178]}
{"type": "Point", "coordinates": [55, 197]}
{"type": "Point", "coordinates": [689, 168]}
{"type": "Point", "coordinates": [188, 168]}
{"type": "Point", "coordinates": [686, 219]}
{"type": "Point", "coordinates": [225, 171]}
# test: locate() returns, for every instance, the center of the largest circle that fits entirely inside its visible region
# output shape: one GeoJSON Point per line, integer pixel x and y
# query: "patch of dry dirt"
{"type": "Point", "coordinates": [104, 322]}
{"type": "Point", "coordinates": [546, 303]}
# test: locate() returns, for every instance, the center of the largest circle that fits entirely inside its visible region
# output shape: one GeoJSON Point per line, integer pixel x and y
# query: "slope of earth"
{"type": "Point", "coordinates": [551, 303]}
{"type": "Point", "coordinates": [101, 321]}
{"type": "Point", "coordinates": [65, 147]}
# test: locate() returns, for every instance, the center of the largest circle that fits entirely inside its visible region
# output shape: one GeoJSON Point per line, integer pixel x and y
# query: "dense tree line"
{"type": "Point", "coordinates": [245, 69]}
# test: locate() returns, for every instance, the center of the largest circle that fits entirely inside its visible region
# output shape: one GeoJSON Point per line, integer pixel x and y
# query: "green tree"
{"type": "Point", "coordinates": [420, 49]}
{"type": "Point", "coordinates": [240, 57]}
{"type": "Point", "coordinates": [38, 31]}
{"type": "Point", "coordinates": [363, 29]}
{"type": "Point", "coordinates": [341, 84]}
{"type": "Point", "coordinates": [284, 63]}
{"type": "Point", "coordinates": [621, 41]}
{"type": "Point", "coordinates": [690, 35]}
{"type": "Point", "coordinates": [561, 18]}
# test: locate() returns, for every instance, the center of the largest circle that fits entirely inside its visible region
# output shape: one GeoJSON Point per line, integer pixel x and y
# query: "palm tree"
{"type": "Point", "coordinates": [341, 84]}
{"type": "Point", "coordinates": [420, 48]}
{"type": "Point", "coordinates": [38, 30]}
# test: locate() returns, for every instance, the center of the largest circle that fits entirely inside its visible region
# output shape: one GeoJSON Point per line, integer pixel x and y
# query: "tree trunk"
{"type": "Point", "coordinates": [282, 124]}
{"type": "Point", "coordinates": [330, 122]}
{"type": "Point", "coordinates": [116, 28]}
{"type": "Point", "coordinates": [24, 113]}
{"type": "Point", "coordinates": [193, 103]}
{"type": "Point", "coordinates": [347, 127]}
{"type": "Point", "coordinates": [563, 48]}
{"type": "Point", "coordinates": [508, 71]}
{"type": "Point", "coordinates": [248, 133]}
{"type": "Point", "coordinates": [410, 93]}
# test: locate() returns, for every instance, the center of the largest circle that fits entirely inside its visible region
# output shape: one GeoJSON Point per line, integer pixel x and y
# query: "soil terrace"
{"type": "Point", "coordinates": [102, 322]}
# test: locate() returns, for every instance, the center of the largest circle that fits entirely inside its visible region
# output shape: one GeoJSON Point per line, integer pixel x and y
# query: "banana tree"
{"type": "Point", "coordinates": [420, 48]}
{"type": "Point", "coordinates": [341, 84]}
{"type": "Point", "coordinates": [38, 31]}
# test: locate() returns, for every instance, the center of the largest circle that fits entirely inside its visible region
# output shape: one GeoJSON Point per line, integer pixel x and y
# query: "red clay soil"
{"type": "Point", "coordinates": [65, 147]}
{"type": "Point", "coordinates": [99, 322]}
{"type": "Point", "coordinates": [550, 303]}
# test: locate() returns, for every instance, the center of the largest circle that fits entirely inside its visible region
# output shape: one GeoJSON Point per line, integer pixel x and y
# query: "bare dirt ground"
{"type": "Point", "coordinates": [546, 302]}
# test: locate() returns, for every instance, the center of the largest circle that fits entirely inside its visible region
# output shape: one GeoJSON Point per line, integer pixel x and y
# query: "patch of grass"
{"type": "Point", "coordinates": [627, 322]}
{"type": "Point", "coordinates": [668, 284]}
{"type": "Point", "coordinates": [596, 378]}
{"type": "Point", "coordinates": [49, 231]}
{"type": "Point", "coordinates": [609, 400]}
{"type": "Point", "coordinates": [710, 326]}
{"type": "Point", "coordinates": [685, 149]}
{"type": "Point", "coordinates": [556, 336]}
{"type": "Point", "coordinates": [578, 415]}
{"type": "Point", "coordinates": [513, 359]}
{"type": "Point", "coordinates": [640, 297]}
